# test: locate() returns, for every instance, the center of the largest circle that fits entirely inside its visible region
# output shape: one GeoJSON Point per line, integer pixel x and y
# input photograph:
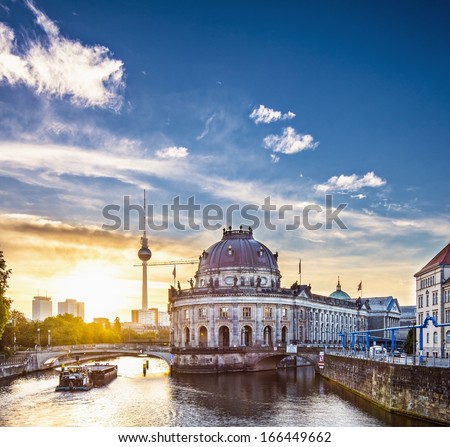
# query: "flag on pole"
{"type": "Point", "coordinates": [174, 272]}
{"type": "Point", "coordinates": [300, 267]}
{"type": "Point", "coordinates": [360, 286]}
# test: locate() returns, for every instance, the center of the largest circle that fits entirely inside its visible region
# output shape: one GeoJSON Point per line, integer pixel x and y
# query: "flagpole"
{"type": "Point", "coordinates": [174, 273]}
{"type": "Point", "coordinates": [300, 271]}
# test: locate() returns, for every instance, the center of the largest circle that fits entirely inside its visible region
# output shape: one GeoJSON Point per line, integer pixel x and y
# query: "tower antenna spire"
{"type": "Point", "coordinates": [144, 255]}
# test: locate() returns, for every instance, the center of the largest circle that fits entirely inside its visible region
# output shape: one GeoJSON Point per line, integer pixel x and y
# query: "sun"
{"type": "Point", "coordinates": [102, 286]}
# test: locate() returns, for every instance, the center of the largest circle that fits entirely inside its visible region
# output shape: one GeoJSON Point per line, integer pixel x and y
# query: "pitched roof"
{"type": "Point", "coordinates": [442, 258]}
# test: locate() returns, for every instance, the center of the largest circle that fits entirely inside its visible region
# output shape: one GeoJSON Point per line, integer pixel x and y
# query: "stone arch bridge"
{"type": "Point", "coordinates": [192, 360]}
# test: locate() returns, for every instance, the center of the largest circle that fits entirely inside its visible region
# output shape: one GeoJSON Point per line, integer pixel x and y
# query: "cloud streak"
{"type": "Point", "coordinates": [172, 152]}
{"type": "Point", "coordinates": [350, 183]}
{"type": "Point", "coordinates": [61, 67]}
{"type": "Point", "coordinates": [266, 115]}
{"type": "Point", "coordinates": [207, 126]}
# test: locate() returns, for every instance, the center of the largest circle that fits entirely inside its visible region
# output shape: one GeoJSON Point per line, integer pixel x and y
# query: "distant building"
{"type": "Point", "coordinates": [42, 308]}
{"type": "Point", "coordinates": [384, 312]}
{"type": "Point", "coordinates": [433, 299]}
{"type": "Point", "coordinates": [71, 306]}
{"type": "Point", "coordinates": [147, 316]}
{"type": "Point", "coordinates": [407, 318]}
{"type": "Point", "coordinates": [163, 318]}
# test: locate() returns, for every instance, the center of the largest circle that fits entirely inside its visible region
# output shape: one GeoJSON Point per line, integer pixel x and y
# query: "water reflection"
{"type": "Point", "coordinates": [271, 398]}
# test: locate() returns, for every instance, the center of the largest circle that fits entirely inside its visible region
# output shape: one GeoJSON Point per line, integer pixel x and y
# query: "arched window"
{"type": "Point", "coordinates": [284, 335]}
{"type": "Point", "coordinates": [224, 336]}
{"type": "Point", "coordinates": [246, 336]}
{"type": "Point", "coordinates": [268, 335]}
{"type": "Point", "coordinates": [187, 336]}
{"type": "Point", "coordinates": [203, 337]}
{"type": "Point", "coordinates": [447, 336]}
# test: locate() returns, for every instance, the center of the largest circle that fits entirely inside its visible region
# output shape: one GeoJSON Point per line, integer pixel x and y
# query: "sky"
{"type": "Point", "coordinates": [230, 105]}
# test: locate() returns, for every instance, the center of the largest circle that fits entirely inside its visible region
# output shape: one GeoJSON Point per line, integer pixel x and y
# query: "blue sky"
{"type": "Point", "coordinates": [229, 102]}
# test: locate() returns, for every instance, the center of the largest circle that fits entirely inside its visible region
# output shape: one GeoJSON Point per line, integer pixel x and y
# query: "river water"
{"type": "Point", "coordinates": [290, 397]}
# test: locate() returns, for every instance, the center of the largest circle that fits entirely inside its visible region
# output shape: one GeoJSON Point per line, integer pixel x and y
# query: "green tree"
{"type": "Point", "coordinates": [5, 303]}
{"type": "Point", "coordinates": [409, 342]}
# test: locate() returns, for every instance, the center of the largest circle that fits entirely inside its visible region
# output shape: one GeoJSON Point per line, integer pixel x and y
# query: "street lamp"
{"type": "Point", "coordinates": [38, 337]}
{"type": "Point", "coordinates": [414, 341]}
{"type": "Point", "coordinates": [49, 340]}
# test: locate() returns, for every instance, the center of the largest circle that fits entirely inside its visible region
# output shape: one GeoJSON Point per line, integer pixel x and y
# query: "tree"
{"type": "Point", "coordinates": [409, 342]}
{"type": "Point", "coordinates": [5, 303]}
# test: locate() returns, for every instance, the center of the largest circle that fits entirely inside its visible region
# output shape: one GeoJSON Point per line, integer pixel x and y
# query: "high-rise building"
{"type": "Point", "coordinates": [71, 306]}
{"type": "Point", "coordinates": [42, 308]}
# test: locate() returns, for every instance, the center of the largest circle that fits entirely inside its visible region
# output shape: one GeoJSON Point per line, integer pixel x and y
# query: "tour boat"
{"type": "Point", "coordinates": [74, 378]}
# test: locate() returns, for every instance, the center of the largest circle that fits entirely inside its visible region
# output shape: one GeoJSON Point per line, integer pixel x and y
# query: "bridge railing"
{"type": "Point", "coordinates": [412, 360]}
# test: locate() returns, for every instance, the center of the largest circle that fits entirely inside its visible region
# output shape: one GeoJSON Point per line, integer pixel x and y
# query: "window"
{"type": "Point", "coordinates": [223, 313]}
{"type": "Point", "coordinates": [447, 336]}
{"type": "Point", "coordinates": [435, 338]}
{"type": "Point", "coordinates": [420, 301]}
{"type": "Point", "coordinates": [428, 298]}
{"type": "Point", "coordinates": [202, 312]}
{"type": "Point", "coordinates": [284, 312]}
{"type": "Point", "coordinates": [435, 315]}
{"type": "Point", "coordinates": [186, 314]}
{"type": "Point", "coordinates": [247, 312]}
{"type": "Point", "coordinates": [428, 337]}
{"type": "Point", "coordinates": [435, 298]}
{"type": "Point", "coordinates": [447, 316]}
{"type": "Point", "coordinates": [267, 312]}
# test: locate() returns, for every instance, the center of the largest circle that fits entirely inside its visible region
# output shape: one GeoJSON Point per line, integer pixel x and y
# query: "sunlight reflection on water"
{"type": "Point", "coordinates": [272, 398]}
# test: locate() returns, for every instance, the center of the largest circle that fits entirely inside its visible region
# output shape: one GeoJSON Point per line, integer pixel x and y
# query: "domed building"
{"type": "Point", "coordinates": [339, 293]}
{"type": "Point", "coordinates": [237, 307]}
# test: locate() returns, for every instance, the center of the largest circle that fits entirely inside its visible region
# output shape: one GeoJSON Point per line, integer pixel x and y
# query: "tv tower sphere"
{"type": "Point", "coordinates": [144, 254]}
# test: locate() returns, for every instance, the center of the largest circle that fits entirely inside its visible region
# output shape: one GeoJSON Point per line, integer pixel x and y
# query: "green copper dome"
{"type": "Point", "coordinates": [339, 293]}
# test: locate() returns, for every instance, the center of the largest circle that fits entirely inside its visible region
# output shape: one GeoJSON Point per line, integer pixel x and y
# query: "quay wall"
{"type": "Point", "coordinates": [416, 391]}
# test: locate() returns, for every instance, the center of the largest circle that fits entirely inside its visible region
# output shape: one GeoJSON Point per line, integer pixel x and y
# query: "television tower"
{"type": "Point", "coordinates": [144, 254]}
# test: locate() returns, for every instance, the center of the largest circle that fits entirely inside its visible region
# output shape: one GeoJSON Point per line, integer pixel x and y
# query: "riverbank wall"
{"type": "Point", "coordinates": [416, 391]}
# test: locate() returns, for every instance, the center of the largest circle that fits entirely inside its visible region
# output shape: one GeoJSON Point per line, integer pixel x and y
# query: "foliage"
{"type": "Point", "coordinates": [409, 342]}
{"type": "Point", "coordinates": [69, 330]}
{"type": "Point", "coordinates": [5, 303]}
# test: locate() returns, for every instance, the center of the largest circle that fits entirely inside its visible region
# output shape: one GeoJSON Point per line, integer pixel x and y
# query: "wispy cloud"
{"type": "Point", "coordinates": [350, 183]}
{"type": "Point", "coordinates": [207, 126]}
{"type": "Point", "coordinates": [61, 67]}
{"type": "Point", "coordinates": [274, 158]}
{"type": "Point", "coordinates": [263, 114]}
{"type": "Point", "coordinates": [358, 196]}
{"type": "Point", "coordinates": [289, 142]}
{"type": "Point", "coordinates": [172, 152]}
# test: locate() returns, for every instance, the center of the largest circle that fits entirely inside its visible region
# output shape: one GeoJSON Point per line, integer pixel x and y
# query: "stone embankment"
{"type": "Point", "coordinates": [416, 391]}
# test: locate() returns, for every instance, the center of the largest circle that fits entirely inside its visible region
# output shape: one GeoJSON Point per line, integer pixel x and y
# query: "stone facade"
{"type": "Point", "coordinates": [433, 299]}
{"type": "Point", "coordinates": [237, 301]}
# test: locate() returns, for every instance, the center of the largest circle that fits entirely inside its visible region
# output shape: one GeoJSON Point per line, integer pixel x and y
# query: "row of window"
{"type": "Point", "coordinates": [224, 312]}
{"type": "Point", "coordinates": [436, 337]}
{"type": "Point", "coordinates": [434, 298]}
{"type": "Point", "coordinates": [427, 282]}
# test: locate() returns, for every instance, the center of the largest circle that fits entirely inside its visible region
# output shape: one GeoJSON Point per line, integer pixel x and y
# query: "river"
{"type": "Point", "coordinates": [289, 397]}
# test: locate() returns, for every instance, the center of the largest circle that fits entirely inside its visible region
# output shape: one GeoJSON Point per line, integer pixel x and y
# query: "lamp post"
{"type": "Point", "coordinates": [414, 342]}
{"type": "Point", "coordinates": [49, 340]}
{"type": "Point", "coordinates": [38, 338]}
